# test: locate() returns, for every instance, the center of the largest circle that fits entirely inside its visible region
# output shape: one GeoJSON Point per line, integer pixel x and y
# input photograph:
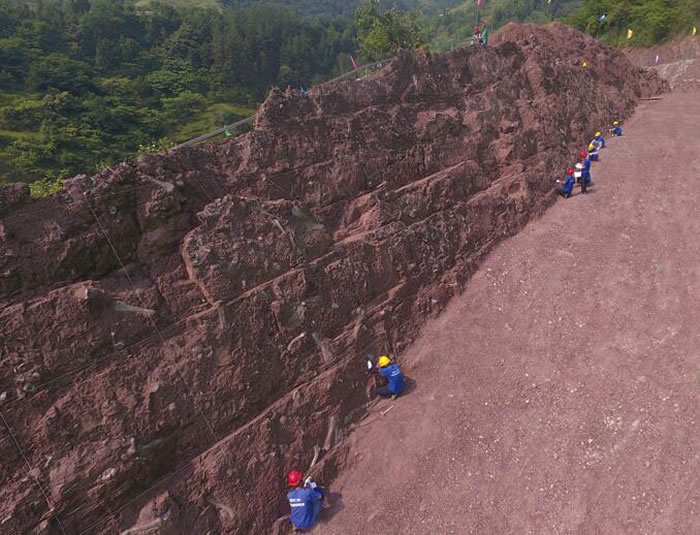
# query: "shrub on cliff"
{"type": "Point", "coordinates": [381, 33]}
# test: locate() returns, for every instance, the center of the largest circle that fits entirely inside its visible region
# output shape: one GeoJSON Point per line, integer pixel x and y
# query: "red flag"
{"type": "Point", "coordinates": [354, 65]}
{"type": "Point", "coordinates": [478, 2]}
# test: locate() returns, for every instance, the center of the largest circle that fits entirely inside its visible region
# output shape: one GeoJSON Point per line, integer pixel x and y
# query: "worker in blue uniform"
{"type": "Point", "coordinates": [585, 166]}
{"type": "Point", "coordinates": [593, 152]}
{"type": "Point", "coordinates": [616, 130]}
{"type": "Point", "coordinates": [305, 500]}
{"type": "Point", "coordinates": [598, 140]}
{"type": "Point", "coordinates": [394, 378]}
{"type": "Point", "coordinates": [569, 181]}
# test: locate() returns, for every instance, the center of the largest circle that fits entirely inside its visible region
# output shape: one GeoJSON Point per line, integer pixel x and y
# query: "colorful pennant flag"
{"type": "Point", "coordinates": [227, 132]}
{"type": "Point", "coordinates": [630, 33]}
{"type": "Point", "coordinates": [695, 30]}
{"type": "Point", "coordinates": [354, 65]}
{"type": "Point", "coordinates": [478, 3]}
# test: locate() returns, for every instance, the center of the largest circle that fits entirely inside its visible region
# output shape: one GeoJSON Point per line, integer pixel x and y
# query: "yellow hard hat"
{"type": "Point", "coordinates": [591, 147]}
{"type": "Point", "coordinates": [384, 361]}
{"type": "Point", "coordinates": [598, 134]}
{"type": "Point", "coordinates": [615, 123]}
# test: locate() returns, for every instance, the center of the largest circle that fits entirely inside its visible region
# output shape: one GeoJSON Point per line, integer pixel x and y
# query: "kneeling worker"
{"type": "Point", "coordinates": [598, 140]}
{"type": "Point", "coordinates": [305, 500]}
{"type": "Point", "coordinates": [569, 182]}
{"type": "Point", "coordinates": [616, 129]}
{"type": "Point", "coordinates": [392, 373]}
{"type": "Point", "coordinates": [593, 152]}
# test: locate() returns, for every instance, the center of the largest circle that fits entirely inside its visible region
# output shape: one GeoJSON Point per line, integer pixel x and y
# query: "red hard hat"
{"type": "Point", "coordinates": [294, 477]}
{"type": "Point", "coordinates": [569, 171]}
{"type": "Point", "coordinates": [583, 154]}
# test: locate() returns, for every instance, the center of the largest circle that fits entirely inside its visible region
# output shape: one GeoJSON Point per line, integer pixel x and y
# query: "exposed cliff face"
{"type": "Point", "coordinates": [179, 332]}
{"type": "Point", "coordinates": [677, 62]}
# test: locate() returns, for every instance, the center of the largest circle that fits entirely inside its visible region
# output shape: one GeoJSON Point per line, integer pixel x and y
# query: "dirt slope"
{"type": "Point", "coordinates": [559, 393]}
{"type": "Point", "coordinates": [177, 333]}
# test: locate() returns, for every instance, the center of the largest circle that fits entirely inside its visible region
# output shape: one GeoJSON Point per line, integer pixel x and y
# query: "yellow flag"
{"type": "Point", "coordinates": [695, 30]}
{"type": "Point", "coordinates": [584, 64]}
{"type": "Point", "coordinates": [630, 33]}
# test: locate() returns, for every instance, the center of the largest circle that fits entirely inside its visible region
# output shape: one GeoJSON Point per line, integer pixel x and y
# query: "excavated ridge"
{"type": "Point", "coordinates": [178, 332]}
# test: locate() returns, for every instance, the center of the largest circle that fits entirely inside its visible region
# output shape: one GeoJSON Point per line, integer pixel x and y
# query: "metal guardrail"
{"type": "Point", "coordinates": [356, 73]}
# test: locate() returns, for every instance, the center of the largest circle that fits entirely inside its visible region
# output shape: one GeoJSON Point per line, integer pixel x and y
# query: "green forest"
{"type": "Point", "coordinates": [87, 83]}
{"type": "Point", "coordinates": [652, 21]}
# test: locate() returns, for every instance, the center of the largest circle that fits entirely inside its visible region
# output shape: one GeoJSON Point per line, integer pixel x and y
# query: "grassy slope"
{"type": "Point", "coordinates": [212, 118]}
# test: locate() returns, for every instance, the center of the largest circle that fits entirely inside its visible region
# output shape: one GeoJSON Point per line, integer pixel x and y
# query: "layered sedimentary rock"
{"type": "Point", "coordinates": [177, 333]}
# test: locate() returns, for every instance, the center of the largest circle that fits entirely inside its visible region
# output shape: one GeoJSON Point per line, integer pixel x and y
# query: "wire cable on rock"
{"type": "Point", "coordinates": [103, 230]}
{"type": "Point", "coordinates": [30, 471]}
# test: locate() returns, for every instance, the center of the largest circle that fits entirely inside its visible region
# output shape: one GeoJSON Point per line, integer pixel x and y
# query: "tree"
{"type": "Point", "coordinates": [653, 21]}
{"type": "Point", "coordinates": [57, 71]}
{"type": "Point", "coordinates": [382, 33]}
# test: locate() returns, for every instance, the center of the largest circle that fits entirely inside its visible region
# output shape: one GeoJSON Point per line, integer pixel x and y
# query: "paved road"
{"type": "Point", "coordinates": [559, 393]}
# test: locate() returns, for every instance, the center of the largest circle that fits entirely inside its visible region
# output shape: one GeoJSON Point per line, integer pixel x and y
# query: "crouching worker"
{"type": "Point", "coordinates": [616, 130]}
{"type": "Point", "coordinates": [305, 500]}
{"type": "Point", "coordinates": [569, 182]}
{"type": "Point", "coordinates": [394, 378]}
{"type": "Point", "coordinates": [593, 152]}
{"type": "Point", "coordinates": [598, 141]}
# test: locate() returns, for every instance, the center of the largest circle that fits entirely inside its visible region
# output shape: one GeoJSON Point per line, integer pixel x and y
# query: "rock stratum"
{"type": "Point", "coordinates": [178, 332]}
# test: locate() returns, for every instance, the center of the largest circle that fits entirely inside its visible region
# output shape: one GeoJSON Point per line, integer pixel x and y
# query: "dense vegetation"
{"type": "Point", "coordinates": [85, 83]}
{"type": "Point", "coordinates": [454, 26]}
{"type": "Point", "coordinates": [652, 21]}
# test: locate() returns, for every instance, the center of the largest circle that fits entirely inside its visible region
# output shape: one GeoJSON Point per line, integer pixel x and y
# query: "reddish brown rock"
{"type": "Point", "coordinates": [193, 324]}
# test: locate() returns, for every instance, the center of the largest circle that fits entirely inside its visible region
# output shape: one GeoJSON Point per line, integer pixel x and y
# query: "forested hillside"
{"type": "Point", "coordinates": [348, 7]}
{"type": "Point", "coordinates": [651, 21]}
{"type": "Point", "coordinates": [85, 83]}
{"type": "Point", "coordinates": [454, 26]}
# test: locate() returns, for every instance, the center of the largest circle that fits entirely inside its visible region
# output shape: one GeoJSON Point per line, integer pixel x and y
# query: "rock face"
{"type": "Point", "coordinates": [678, 62]}
{"type": "Point", "coordinates": [177, 333]}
